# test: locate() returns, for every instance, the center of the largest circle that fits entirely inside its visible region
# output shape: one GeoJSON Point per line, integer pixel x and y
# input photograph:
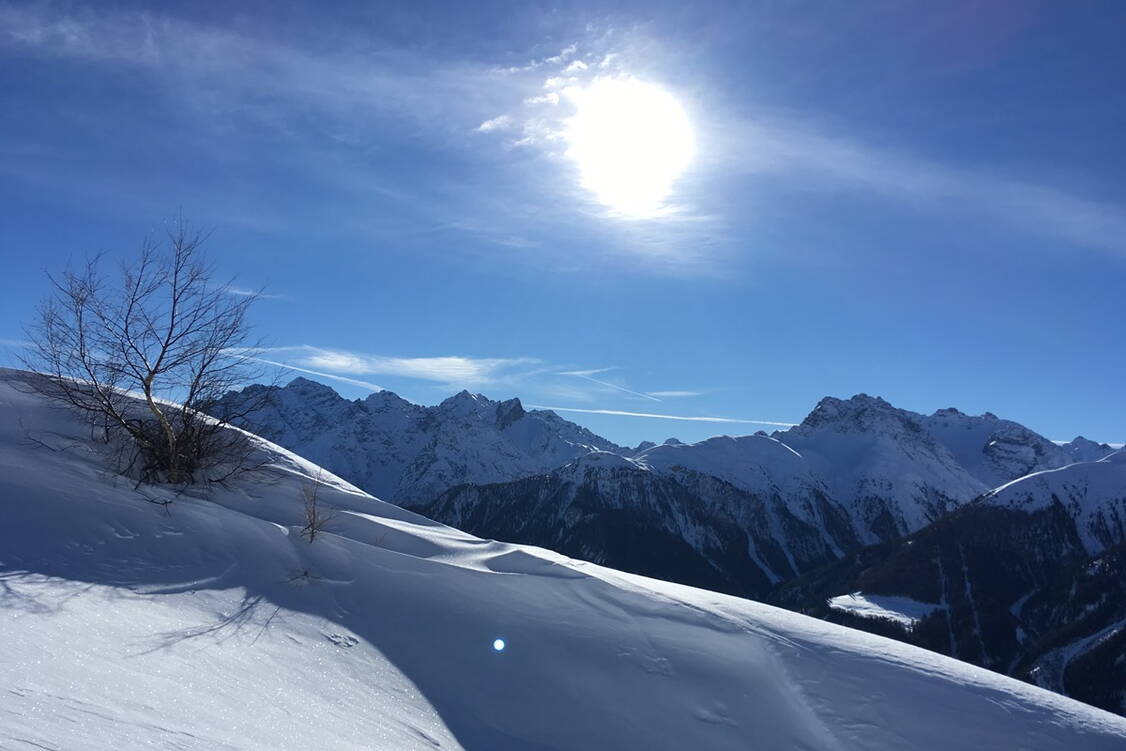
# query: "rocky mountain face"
{"type": "Point", "coordinates": [751, 511]}
{"type": "Point", "coordinates": [664, 520]}
{"type": "Point", "coordinates": [995, 451]}
{"type": "Point", "coordinates": [405, 453]}
{"type": "Point", "coordinates": [1082, 450]}
{"type": "Point", "coordinates": [891, 473]}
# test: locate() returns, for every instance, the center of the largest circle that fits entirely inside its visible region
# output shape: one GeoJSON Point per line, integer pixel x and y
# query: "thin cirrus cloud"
{"type": "Point", "coordinates": [651, 415]}
{"type": "Point", "coordinates": [823, 163]}
{"type": "Point", "coordinates": [502, 122]}
{"type": "Point", "coordinates": [339, 89]}
{"type": "Point", "coordinates": [446, 370]}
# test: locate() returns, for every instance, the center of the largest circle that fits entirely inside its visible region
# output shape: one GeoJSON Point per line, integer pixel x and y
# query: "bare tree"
{"type": "Point", "coordinates": [147, 355]}
{"type": "Point", "coordinates": [316, 517]}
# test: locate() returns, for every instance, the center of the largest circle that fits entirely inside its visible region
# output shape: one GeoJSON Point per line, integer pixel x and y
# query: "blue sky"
{"type": "Point", "coordinates": [924, 201]}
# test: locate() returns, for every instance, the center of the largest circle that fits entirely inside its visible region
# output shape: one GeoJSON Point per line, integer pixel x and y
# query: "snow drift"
{"type": "Point", "coordinates": [216, 625]}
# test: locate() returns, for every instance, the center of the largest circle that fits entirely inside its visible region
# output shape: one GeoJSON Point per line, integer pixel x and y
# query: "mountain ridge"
{"type": "Point", "coordinates": [798, 517]}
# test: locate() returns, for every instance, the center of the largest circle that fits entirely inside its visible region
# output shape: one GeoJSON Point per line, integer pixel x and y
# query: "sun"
{"type": "Point", "coordinates": [631, 140]}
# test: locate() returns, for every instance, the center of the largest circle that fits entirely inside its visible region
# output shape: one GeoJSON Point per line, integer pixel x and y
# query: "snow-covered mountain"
{"type": "Point", "coordinates": [213, 624]}
{"type": "Point", "coordinates": [892, 470]}
{"type": "Point", "coordinates": [881, 463]}
{"type": "Point", "coordinates": [743, 513]}
{"type": "Point", "coordinates": [408, 453]}
{"type": "Point", "coordinates": [996, 451]}
{"type": "Point", "coordinates": [1030, 580]}
{"type": "Point", "coordinates": [738, 531]}
{"type": "Point", "coordinates": [1093, 494]}
{"type": "Point", "coordinates": [1081, 449]}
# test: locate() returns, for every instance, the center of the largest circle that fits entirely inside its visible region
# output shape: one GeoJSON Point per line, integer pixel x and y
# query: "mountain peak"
{"type": "Point", "coordinates": [949, 412]}
{"type": "Point", "coordinates": [509, 412]}
{"type": "Point", "coordinates": [308, 387]}
{"type": "Point", "coordinates": [599, 461]}
{"type": "Point", "coordinates": [464, 402]}
{"type": "Point", "coordinates": [1085, 450]}
{"type": "Point", "coordinates": [383, 399]}
{"type": "Point", "coordinates": [1087, 442]}
{"type": "Point", "coordinates": [1118, 457]}
{"type": "Point", "coordinates": [860, 411]}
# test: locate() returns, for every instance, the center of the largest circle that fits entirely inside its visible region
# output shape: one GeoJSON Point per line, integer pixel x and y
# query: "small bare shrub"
{"type": "Point", "coordinates": [316, 516]}
{"type": "Point", "coordinates": [147, 354]}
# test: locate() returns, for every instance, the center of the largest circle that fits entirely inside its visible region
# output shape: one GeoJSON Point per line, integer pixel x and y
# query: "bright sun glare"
{"type": "Point", "coordinates": [631, 141]}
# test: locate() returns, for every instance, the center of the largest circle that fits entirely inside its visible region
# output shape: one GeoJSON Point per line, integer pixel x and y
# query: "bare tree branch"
{"type": "Point", "coordinates": [316, 516]}
{"type": "Point", "coordinates": [147, 358]}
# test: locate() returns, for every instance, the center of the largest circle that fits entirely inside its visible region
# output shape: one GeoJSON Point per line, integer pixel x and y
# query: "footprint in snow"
{"type": "Point", "coordinates": [342, 640]}
{"type": "Point", "coordinates": [715, 715]}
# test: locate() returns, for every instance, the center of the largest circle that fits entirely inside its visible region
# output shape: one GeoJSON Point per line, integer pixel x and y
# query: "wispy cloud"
{"type": "Point", "coordinates": [835, 163]}
{"type": "Point", "coordinates": [502, 122]}
{"type": "Point", "coordinates": [563, 55]}
{"type": "Point", "coordinates": [446, 370]}
{"type": "Point", "coordinates": [683, 418]}
{"type": "Point", "coordinates": [236, 71]}
{"type": "Point", "coordinates": [674, 394]}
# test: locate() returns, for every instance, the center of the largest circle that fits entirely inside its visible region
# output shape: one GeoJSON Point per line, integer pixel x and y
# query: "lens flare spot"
{"type": "Point", "coordinates": [498, 645]}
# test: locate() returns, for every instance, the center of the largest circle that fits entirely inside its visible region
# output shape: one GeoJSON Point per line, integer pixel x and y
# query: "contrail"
{"type": "Point", "coordinates": [586, 375]}
{"type": "Point", "coordinates": [621, 413]}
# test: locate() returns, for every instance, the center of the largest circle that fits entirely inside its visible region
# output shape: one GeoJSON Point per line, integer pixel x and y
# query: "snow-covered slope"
{"type": "Point", "coordinates": [996, 451]}
{"type": "Point", "coordinates": [797, 512]}
{"type": "Point", "coordinates": [405, 452]}
{"type": "Point", "coordinates": [881, 464]}
{"type": "Point", "coordinates": [756, 463]}
{"type": "Point", "coordinates": [1092, 493]}
{"type": "Point", "coordinates": [216, 626]}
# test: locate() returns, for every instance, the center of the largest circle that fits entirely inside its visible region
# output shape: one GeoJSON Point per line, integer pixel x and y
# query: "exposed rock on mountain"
{"type": "Point", "coordinates": [736, 534]}
{"type": "Point", "coordinates": [404, 452]}
{"type": "Point", "coordinates": [880, 462]}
